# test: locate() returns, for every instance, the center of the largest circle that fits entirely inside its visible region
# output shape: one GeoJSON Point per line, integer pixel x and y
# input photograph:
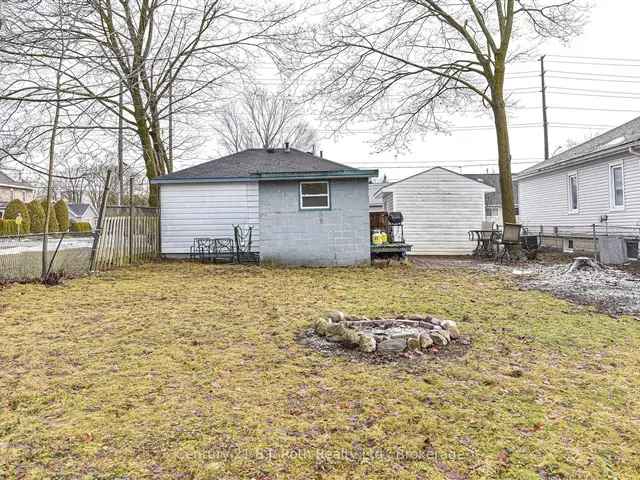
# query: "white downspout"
{"type": "Point", "coordinates": [634, 152]}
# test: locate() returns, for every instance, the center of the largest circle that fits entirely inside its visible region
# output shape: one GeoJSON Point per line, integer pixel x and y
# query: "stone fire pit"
{"type": "Point", "coordinates": [410, 333]}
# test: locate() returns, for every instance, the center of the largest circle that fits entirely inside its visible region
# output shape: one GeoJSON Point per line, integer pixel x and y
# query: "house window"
{"type": "Point", "coordinates": [568, 246]}
{"type": "Point", "coordinates": [492, 212]}
{"type": "Point", "coordinates": [572, 184]}
{"type": "Point", "coordinates": [616, 186]}
{"type": "Point", "coordinates": [632, 250]}
{"type": "Point", "coordinates": [314, 195]}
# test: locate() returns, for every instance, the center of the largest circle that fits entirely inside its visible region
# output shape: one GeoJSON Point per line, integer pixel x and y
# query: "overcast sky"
{"type": "Point", "coordinates": [577, 82]}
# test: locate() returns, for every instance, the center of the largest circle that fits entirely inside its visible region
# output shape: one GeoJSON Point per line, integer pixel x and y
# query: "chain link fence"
{"type": "Point", "coordinates": [21, 256]}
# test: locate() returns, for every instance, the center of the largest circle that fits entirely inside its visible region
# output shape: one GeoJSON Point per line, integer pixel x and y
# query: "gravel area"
{"type": "Point", "coordinates": [610, 290]}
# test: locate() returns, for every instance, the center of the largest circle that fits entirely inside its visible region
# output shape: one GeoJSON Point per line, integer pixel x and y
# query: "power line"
{"type": "Point", "coordinates": [615, 92]}
{"type": "Point", "coordinates": [614, 59]}
{"type": "Point", "coordinates": [598, 109]}
{"type": "Point", "coordinates": [599, 95]}
{"type": "Point", "coordinates": [445, 163]}
{"type": "Point", "coordinates": [635, 82]}
{"type": "Point", "coordinates": [589, 74]}
{"type": "Point", "coordinates": [581, 125]}
{"type": "Point", "coordinates": [414, 163]}
{"type": "Point", "coordinates": [596, 64]}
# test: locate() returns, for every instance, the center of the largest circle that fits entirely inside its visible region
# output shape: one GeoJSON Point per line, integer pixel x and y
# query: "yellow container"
{"type": "Point", "coordinates": [379, 237]}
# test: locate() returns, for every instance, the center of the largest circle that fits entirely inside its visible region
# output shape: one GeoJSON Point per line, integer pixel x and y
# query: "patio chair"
{"type": "Point", "coordinates": [243, 237]}
{"type": "Point", "coordinates": [487, 226]}
{"type": "Point", "coordinates": [201, 248]}
{"type": "Point", "coordinates": [223, 250]}
{"type": "Point", "coordinates": [510, 240]}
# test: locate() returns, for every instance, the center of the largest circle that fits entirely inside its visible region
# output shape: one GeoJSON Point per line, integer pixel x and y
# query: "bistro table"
{"type": "Point", "coordinates": [485, 242]}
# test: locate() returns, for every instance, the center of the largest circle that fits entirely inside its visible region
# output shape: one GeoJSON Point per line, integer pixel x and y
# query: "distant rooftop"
{"type": "Point", "coordinates": [78, 209]}
{"type": "Point", "coordinates": [625, 133]}
{"type": "Point", "coordinates": [373, 189]}
{"type": "Point", "coordinates": [7, 181]}
{"type": "Point", "coordinates": [492, 199]}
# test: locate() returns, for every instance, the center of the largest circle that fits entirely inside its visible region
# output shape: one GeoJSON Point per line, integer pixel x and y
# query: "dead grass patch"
{"type": "Point", "coordinates": [193, 371]}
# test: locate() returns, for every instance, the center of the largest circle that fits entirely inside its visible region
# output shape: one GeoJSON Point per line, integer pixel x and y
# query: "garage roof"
{"type": "Point", "coordinates": [264, 164]}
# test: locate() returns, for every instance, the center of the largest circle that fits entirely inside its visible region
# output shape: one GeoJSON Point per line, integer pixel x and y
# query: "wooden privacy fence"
{"type": "Point", "coordinates": [124, 240]}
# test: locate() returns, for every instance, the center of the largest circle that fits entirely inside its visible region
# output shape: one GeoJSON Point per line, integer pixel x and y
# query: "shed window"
{"type": "Point", "coordinates": [572, 184]}
{"type": "Point", "coordinates": [314, 195]}
{"type": "Point", "coordinates": [616, 186]}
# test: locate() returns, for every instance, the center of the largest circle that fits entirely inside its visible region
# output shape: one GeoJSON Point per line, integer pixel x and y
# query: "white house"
{"type": "Point", "coordinates": [593, 186]}
{"type": "Point", "coordinates": [11, 189]}
{"type": "Point", "coordinates": [83, 212]}
{"type": "Point", "coordinates": [439, 208]}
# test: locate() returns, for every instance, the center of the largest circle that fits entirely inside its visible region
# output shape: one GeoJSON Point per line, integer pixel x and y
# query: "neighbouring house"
{"type": "Point", "coordinates": [375, 202]}
{"type": "Point", "coordinates": [588, 195]}
{"type": "Point", "coordinates": [493, 200]}
{"type": "Point", "coordinates": [83, 212]}
{"type": "Point", "coordinates": [304, 209]}
{"type": "Point", "coordinates": [11, 189]}
{"type": "Point", "coordinates": [439, 208]}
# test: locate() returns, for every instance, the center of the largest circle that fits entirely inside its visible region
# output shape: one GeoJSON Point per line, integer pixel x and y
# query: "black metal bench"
{"type": "Point", "coordinates": [225, 249]}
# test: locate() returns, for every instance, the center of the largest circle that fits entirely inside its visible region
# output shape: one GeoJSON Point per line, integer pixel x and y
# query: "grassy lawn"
{"type": "Point", "coordinates": [192, 371]}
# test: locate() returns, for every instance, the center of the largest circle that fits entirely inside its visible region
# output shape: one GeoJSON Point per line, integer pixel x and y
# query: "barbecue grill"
{"type": "Point", "coordinates": [389, 225]}
{"type": "Point", "coordinates": [395, 218]}
{"type": "Point", "coordinates": [396, 230]}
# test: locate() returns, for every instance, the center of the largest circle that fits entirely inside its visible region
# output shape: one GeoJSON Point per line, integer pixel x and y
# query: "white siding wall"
{"type": "Point", "coordinates": [439, 209]}
{"type": "Point", "coordinates": [206, 210]}
{"type": "Point", "coordinates": [387, 201]}
{"type": "Point", "coordinates": [544, 199]}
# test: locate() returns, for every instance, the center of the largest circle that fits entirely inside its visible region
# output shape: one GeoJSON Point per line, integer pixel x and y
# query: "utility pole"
{"type": "Point", "coordinates": [120, 147]}
{"type": "Point", "coordinates": [545, 122]}
{"type": "Point", "coordinates": [171, 124]}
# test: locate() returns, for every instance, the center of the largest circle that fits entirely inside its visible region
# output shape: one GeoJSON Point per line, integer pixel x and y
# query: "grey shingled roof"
{"type": "Point", "coordinates": [625, 133]}
{"type": "Point", "coordinates": [78, 209]}
{"type": "Point", "coordinates": [7, 180]}
{"type": "Point", "coordinates": [252, 163]}
{"type": "Point", "coordinates": [493, 180]}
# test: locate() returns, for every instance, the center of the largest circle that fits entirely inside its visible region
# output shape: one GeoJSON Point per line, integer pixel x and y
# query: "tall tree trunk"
{"type": "Point", "coordinates": [502, 137]}
{"type": "Point", "coordinates": [49, 210]}
{"type": "Point", "coordinates": [52, 155]}
{"type": "Point", "coordinates": [151, 161]}
{"type": "Point", "coordinates": [504, 163]}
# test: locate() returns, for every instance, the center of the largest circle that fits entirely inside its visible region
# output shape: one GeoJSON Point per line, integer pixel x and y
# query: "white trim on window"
{"type": "Point", "coordinates": [612, 188]}
{"type": "Point", "coordinates": [327, 195]}
{"type": "Point", "coordinates": [570, 203]}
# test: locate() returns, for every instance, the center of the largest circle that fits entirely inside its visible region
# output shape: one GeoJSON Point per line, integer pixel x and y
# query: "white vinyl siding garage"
{"type": "Point", "coordinates": [439, 208]}
{"type": "Point", "coordinates": [190, 210]}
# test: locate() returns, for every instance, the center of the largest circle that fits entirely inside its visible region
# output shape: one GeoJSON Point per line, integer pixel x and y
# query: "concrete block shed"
{"type": "Point", "coordinates": [304, 209]}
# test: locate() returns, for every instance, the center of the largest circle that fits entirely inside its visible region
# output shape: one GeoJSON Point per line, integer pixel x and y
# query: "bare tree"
{"type": "Point", "coordinates": [169, 56]}
{"type": "Point", "coordinates": [402, 63]}
{"type": "Point", "coordinates": [264, 120]}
